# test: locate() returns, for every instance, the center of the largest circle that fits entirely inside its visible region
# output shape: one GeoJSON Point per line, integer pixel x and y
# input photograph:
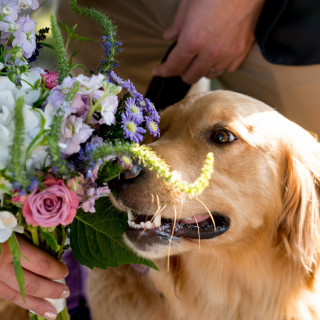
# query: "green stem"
{"type": "Point", "coordinates": [63, 315]}
{"type": "Point", "coordinates": [95, 107]}
{"type": "Point", "coordinates": [35, 236]}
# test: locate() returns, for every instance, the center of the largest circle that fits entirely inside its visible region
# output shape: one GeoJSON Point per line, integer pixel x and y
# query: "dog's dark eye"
{"type": "Point", "coordinates": [223, 136]}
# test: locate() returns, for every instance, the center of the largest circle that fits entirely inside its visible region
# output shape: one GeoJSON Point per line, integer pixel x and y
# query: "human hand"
{"type": "Point", "coordinates": [39, 272]}
{"type": "Point", "coordinates": [212, 36]}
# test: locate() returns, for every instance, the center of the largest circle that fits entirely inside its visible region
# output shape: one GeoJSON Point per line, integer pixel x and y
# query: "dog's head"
{"type": "Point", "coordinates": [265, 181]}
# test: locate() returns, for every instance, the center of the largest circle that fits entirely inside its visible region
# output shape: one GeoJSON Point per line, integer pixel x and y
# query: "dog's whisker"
{"type": "Point", "coordinates": [210, 214]}
{"type": "Point", "coordinates": [158, 212]}
{"type": "Point", "coordinates": [171, 237]}
{"type": "Point", "coordinates": [198, 231]}
{"type": "Point", "coordinates": [152, 198]}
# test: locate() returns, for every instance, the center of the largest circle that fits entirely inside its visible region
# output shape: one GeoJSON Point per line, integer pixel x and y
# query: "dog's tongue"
{"type": "Point", "coordinates": [196, 219]}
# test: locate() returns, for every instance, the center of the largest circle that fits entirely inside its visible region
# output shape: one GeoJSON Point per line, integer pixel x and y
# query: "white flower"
{"type": "Point", "coordinates": [109, 106]}
{"type": "Point", "coordinates": [38, 158]}
{"type": "Point", "coordinates": [8, 224]}
{"type": "Point", "coordinates": [9, 93]}
{"type": "Point", "coordinates": [89, 85]}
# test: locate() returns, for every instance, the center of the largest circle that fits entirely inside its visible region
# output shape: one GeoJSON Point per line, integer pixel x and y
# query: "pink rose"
{"type": "Point", "coordinates": [50, 78]}
{"type": "Point", "coordinates": [56, 204]}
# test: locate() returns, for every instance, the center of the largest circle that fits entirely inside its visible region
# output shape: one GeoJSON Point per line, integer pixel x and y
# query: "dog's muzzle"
{"type": "Point", "coordinates": [145, 230]}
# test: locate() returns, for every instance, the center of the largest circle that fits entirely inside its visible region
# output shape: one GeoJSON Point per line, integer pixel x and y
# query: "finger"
{"type": "Point", "coordinates": [40, 262]}
{"type": "Point", "coordinates": [173, 31]}
{"type": "Point", "coordinates": [36, 286]}
{"type": "Point", "coordinates": [177, 61]}
{"type": "Point", "coordinates": [235, 64]}
{"type": "Point", "coordinates": [38, 305]}
{"type": "Point", "coordinates": [201, 66]}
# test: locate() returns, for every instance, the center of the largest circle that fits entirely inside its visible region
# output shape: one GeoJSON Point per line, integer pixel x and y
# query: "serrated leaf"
{"type": "Point", "coordinates": [16, 254]}
{"type": "Point", "coordinates": [96, 238]}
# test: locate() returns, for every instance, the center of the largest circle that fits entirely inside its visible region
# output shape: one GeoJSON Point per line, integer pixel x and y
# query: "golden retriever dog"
{"type": "Point", "coordinates": [259, 260]}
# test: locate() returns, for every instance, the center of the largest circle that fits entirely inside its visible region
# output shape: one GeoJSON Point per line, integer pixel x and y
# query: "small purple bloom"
{"type": "Point", "coordinates": [73, 133]}
{"type": "Point", "coordinates": [132, 108]}
{"type": "Point", "coordinates": [9, 10]}
{"type": "Point", "coordinates": [130, 128]}
{"type": "Point", "coordinates": [25, 36]}
{"type": "Point", "coordinates": [152, 127]}
{"type": "Point", "coordinates": [58, 94]}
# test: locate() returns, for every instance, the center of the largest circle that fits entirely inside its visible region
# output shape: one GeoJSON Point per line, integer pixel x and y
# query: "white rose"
{"type": "Point", "coordinates": [8, 224]}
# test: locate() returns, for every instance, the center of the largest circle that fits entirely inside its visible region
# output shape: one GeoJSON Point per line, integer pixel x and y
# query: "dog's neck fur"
{"type": "Point", "coordinates": [250, 293]}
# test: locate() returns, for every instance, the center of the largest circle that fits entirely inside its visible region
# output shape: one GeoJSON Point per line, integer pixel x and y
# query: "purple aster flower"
{"type": "Point", "coordinates": [115, 78]}
{"type": "Point", "coordinates": [150, 109]}
{"type": "Point", "coordinates": [130, 128]}
{"type": "Point", "coordinates": [152, 127]}
{"type": "Point", "coordinates": [132, 108]}
{"type": "Point", "coordinates": [25, 36]}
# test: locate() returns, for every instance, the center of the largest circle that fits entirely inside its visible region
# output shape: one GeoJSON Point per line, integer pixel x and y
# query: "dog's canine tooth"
{"type": "Point", "coordinates": [157, 221]}
{"type": "Point", "coordinates": [130, 216]}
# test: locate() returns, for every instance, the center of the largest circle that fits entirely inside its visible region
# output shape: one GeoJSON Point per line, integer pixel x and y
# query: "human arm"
{"type": "Point", "coordinates": [39, 272]}
{"type": "Point", "coordinates": [210, 34]}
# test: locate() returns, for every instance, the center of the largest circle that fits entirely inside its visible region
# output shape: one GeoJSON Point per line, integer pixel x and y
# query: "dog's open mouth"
{"type": "Point", "coordinates": [144, 231]}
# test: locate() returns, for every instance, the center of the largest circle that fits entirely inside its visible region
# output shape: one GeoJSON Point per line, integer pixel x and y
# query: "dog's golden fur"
{"type": "Point", "coordinates": [266, 266]}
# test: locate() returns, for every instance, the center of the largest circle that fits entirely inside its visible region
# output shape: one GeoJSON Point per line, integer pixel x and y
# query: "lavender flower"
{"type": "Point", "coordinates": [74, 132]}
{"type": "Point", "coordinates": [25, 36]}
{"type": "Point", "coordinates": [8, 13]}
{"type": "Point", "coordinates": [32, 4]}
{"type": "Point", "coordinates": [130, 128]}
{"type": "Point", "coordinates": [58, 94]}
{"type": "Point", "coordinates": [132, 108]}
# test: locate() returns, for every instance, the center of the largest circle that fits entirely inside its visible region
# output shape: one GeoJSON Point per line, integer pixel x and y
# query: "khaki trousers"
{"type": "Point", "coordinates": [293, 91]}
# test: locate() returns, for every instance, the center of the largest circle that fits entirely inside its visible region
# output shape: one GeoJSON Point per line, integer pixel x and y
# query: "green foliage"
{"type": "Point", "coordinates": [108, 29]}
{"type": "Point", "coordinates": [96, 238]}
{"type": "Point", "coordinates": [73, 36]}
{"type": "Point", "coordinates": [63, 65]}
{"type": "Point", "coordinates": [50, 239]}
{"type": "Point", "coordinates": [16, 254]}
{"type": "Point", "coordinates": [149, 159]}
{"type": "Point", "coordinates": [16, 165]}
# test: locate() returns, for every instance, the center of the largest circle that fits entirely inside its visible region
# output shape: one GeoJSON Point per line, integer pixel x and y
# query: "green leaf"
{"type": "Point", "coordinates": [16, 254]}
{"type": "Point", "coordinates": [51, 240]}
{"type": "Point", "coordinates": [96, 238]}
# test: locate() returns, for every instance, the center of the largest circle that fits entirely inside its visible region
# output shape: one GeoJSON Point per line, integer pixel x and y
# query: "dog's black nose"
{"type": "Point", "coordinates": [127, 178]}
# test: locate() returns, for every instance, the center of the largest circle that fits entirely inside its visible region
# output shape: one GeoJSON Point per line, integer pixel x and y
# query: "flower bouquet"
{"type": "Point", "coordinates": [62, 139]}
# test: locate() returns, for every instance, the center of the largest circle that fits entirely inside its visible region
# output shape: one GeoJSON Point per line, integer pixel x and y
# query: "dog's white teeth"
{"type": "Point", "coordinates": [157, 221]}
{"type": "Point", "coordinates": [130, 216]}
{"type": "Point", "coordinates": [149, 225]}
{"type": "Point", "coordinates": [144, 225]}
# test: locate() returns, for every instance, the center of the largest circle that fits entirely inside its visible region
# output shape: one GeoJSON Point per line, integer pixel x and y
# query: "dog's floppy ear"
{"type": "Point", "coordinates": [299, 224]}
